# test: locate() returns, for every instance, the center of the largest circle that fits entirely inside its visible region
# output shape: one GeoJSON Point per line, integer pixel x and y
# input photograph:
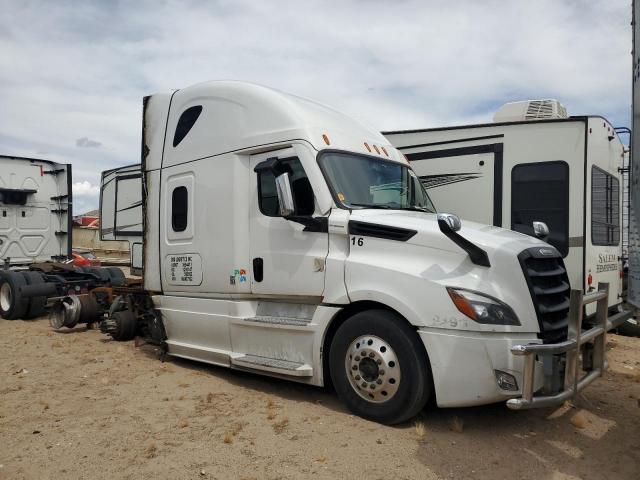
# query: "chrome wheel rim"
{"type": "Point", "coordinates": [373, 368]}
{"type": "Point", "coordinates": [5, 297]}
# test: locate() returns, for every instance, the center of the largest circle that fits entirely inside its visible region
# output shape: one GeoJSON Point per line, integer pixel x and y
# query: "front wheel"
{"type": "Point", "coordinates": [379, 367]}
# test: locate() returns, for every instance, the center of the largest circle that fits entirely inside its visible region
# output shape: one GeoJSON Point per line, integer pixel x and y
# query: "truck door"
{"type": "Point", "coordinates": [287, 257]}
{"type": "Point", "coordinates": [466, 181]}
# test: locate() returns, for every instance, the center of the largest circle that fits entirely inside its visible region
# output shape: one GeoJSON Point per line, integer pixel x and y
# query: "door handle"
{"type": "Point", "coordinates": [258, 271]}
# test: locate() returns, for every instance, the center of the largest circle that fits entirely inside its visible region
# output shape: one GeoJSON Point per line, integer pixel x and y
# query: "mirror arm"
{"type": "Point", "coordinates": [476, 254]}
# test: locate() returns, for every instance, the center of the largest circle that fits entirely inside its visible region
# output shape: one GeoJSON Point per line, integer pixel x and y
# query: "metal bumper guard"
{"type": "Point", "coordinates": [589, 344]}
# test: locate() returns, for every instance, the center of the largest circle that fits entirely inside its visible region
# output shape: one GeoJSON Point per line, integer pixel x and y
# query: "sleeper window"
{"type": "Point", "coordinates": [179, 209]}
{"type": "Point", "coordinates": [540, 192]}
{"type": "Point", "coordinates": [605, 208]}
{"type": "Point", "coordinates": [185, 123]}
{"type": "Point", "coordinates": [300, 187]}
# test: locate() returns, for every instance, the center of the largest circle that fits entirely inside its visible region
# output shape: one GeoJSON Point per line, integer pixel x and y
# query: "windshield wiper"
{"type": "Point", "coordinates": [382, 206]}
{"type": "Point", "coordinates": [372, 205]}
{"type": "Point", "coordinates": [416, 209]}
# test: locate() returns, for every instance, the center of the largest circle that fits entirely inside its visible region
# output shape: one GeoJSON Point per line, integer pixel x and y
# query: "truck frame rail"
{"type": "Point", "coordinates": [586, 345]}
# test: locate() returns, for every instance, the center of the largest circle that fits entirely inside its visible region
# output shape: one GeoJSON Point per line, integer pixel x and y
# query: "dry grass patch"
{"type": "Point", "coordinates": [281, 426]}
{"type": "Point", "coordinates": [421, 430]}
{"type": "Point", "coordinates": [151, 450]}
{"type": "Point", "coordinates": [578, 420]}
{"type": "Point", "coordinates": [456, 424]}
{"type": "Point", "coordinates": [230, 434]}
{"type": "Point", "coordinates": [271, 413]}
{"type": "Point", "coordinates": [184, 423]}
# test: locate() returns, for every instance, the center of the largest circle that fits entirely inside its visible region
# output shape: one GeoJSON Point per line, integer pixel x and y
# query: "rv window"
{"type": "Point", "coordinates": [301, 188]}
{"type": "Point", "coordinates": [605, 208]}
{"type": "Point", "coordinates": [185, 123]}
{"type": "Point", "coordinates": [179, 209]}
{"type": "Point", "coordinates": [540, 192]}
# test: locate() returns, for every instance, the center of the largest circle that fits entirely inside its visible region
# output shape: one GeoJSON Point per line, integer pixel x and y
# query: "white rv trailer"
{"type": "Point", "coordinates": [284, 238]}
{"type": "Point", "coordinates": [533, 164]}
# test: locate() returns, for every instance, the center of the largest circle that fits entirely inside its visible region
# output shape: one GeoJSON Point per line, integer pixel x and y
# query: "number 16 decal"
{"type": "Point", "coordinates": [357, 241]}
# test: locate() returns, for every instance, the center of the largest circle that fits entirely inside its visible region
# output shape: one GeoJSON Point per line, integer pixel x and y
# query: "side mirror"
{"type": "Point", "coordinates": [452, 220]}
{"type": "Point", "coordinates": [285, 195]}
{"type": "Point", "coordinates": [540, 230]}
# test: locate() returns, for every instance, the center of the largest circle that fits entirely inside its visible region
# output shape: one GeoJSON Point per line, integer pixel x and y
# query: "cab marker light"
{"type": "Point", "coordinates": [326, 139]}
{"type": "Point", "coordinates": [376, 149]}
{"type": "Point", "coordinates": [385, 151]}
{"type": "Point", "coordinates": [367, 146]}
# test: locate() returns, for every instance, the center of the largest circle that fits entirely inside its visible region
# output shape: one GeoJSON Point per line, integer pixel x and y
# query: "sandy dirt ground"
{"type": "Point", "coordinates": [78, 405]}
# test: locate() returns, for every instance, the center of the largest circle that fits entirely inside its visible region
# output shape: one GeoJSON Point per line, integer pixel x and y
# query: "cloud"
{"type": "Point", "coordinates": [85, 197]}
{"type": "Point", "coordinates": [85, 142]}
{"type": "Point", "coordinates": [74, 70]}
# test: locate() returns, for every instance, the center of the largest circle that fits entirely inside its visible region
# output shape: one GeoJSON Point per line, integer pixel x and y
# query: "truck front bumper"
{"type": "Point", "coordinates": [583, 355]}
{"type": "Point", "coordinates": [464, 365]}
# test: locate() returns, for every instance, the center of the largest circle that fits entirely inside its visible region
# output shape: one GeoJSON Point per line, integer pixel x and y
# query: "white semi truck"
{"type": "Point", "coordinates": [282, 237]}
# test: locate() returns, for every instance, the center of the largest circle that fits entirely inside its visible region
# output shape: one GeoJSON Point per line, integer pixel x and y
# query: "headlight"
{"type": "Point", "coordinates": [482, 308]}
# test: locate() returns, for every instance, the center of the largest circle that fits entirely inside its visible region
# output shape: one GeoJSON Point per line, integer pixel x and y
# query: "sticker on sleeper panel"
{"type": "Point", "coordinates": [239, 275]}
{"type": "Point", "coordinates": [183, 269]}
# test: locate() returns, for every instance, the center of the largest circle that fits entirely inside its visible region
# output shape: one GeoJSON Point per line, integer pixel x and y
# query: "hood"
{"type": "Point", "coordinates": [417, 265]}
{"type": "Point", "coordinates": [494, 240]}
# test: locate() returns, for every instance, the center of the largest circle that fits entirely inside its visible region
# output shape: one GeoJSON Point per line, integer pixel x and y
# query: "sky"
{"type": "Point", "coordinates": [73, 73]}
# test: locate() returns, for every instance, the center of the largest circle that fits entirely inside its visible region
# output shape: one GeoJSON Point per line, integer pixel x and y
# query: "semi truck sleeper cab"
{"type": "Point", "coordinates": [282, 237]}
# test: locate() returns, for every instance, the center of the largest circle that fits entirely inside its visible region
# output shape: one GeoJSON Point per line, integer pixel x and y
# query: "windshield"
{"type": "Point", "coordinates": [359, 181]}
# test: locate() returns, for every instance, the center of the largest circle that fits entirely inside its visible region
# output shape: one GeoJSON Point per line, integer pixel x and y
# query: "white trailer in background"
{"type": "Point", "coordinates": [533, 164]}
{"type": "Point", "coordinates": [35, 211]}
{"type": "Point", "coordinates": [284, 238]}
{"type": "Point", "coordinates": [36, 240]}
{"type": "Point", "coordinates": [634, 167]}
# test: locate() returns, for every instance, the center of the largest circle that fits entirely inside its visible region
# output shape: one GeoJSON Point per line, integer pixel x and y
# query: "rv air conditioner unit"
{"type": "Point", "coordinates": [530, 110]}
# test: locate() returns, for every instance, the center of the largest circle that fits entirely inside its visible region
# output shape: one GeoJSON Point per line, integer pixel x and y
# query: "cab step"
{"type": "Point", "coordinates": [268, 319]}
{"type": "Point", "coordinates": [273, 365]}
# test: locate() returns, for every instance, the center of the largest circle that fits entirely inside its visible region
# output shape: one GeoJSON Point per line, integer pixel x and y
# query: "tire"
{"type": "Point", "coordinates": [101, 273]}
{"type": "Point", "coordinates": [126, 325]}
{"type": "Point", "coordinates": [117, 277]}
{"type": "Point", "coordinates": [394, 363]}
{"type": "Point", "coordinates": [89, 310]}
{"type": "Point", "coordinates": [36, 305]}
{"type": "Point", "coordinates": [629, 329]}
{"type": "Point", "coordinates": [12, 305]}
